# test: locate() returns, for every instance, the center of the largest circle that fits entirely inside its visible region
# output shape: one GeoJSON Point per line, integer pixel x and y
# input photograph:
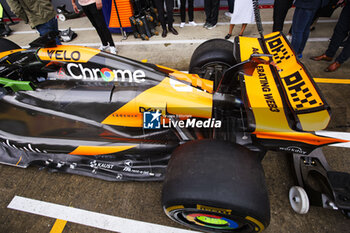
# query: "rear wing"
{"type": "Point", "coordinates": [280, 98]}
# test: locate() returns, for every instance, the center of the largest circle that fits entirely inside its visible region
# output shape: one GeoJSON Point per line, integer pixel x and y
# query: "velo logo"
{"type": "Point", "coordinates": [151, 120]}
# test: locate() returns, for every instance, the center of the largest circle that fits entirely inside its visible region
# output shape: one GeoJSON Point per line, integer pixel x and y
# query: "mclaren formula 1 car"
{"type": "Point", "coordinates": [83, 111]}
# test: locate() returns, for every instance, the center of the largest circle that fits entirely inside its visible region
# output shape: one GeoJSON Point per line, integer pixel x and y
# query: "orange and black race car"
{"type": "Point", "coordinates": [83, 111]}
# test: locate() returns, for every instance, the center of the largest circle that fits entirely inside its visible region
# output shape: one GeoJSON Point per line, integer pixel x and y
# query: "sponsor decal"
{"type": "Point", "coordinates": [293, 149]}
{"type": "Point", "coordinates": [146, 109]}
{"type": "Point", "coordinates": [270, 101]}
{"type": "Point", "coordinates": [64, 55]}
{"type": "Point", "coordinates": [95, 164]}
{"type": "Point", "coordinates": [214, 209]}
{"type": "Point", "coordinates": [255, 50]}
{"type": "Point", "coordinates": [278, 50]}
{"type": "Point", "coordinates": [128, 163]}
{"type": "Point", "coordinates": [298, 90]}
{"type": "Point", "coordinates": [137, 171]}
{"type": "Point", "coordinates": [78, 71]}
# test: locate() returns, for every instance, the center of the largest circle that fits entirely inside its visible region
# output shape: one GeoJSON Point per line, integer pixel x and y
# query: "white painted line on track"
{"type": "Point", "coordinates": [175, 24]}
{"type": "Point", "coordinates": [158, 42]}
{"type": "Point", "coordinates": [88, 218]}
{"type": "Point", "coordinates": [339, 135]}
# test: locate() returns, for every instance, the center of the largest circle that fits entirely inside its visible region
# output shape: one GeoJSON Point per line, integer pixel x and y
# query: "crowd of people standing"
{"type": "Point", "coordinates": [42, 17]}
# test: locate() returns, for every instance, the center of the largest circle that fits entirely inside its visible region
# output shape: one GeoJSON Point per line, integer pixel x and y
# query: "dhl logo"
{"type": "Point", "coordinates": [299, 93]}
{"type": "Point", "coordinates": [298, 86]}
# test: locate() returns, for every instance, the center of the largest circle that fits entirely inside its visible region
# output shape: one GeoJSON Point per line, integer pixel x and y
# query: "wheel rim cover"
{"type": "Point", "coordinates": [212, 221]}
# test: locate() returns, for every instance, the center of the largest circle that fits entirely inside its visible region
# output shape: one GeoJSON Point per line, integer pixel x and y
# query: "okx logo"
{"type": "Point", "coordinates": [151, 120]}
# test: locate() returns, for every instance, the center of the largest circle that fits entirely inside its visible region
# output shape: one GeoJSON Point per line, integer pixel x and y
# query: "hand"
{"type": "Point", "coordinates": [99, 4]}
{"type": "Point", "coordinates": [341, 3]}
{"type": "Point", "coordinates": [75, 8]}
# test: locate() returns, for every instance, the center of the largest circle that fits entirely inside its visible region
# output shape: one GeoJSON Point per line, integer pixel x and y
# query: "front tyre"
{"type": "Point", "coordinates": [212, 58]}
{"type": "Point", "coordinates": [216, 186]}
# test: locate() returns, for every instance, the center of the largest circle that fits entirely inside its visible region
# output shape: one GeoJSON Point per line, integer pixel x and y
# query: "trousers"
{"type": "Point", "coordinates": [183, 10]}
{"type": "Point", "coordinates": [211, 8]}
{"type": "Point", "coordinates": [98, 21]}
{"type": "Point", "coordinates": [341, 31]}
{"type": "Point", "coordinates": [280, 10]}
{"type": "Point", "coordinates": [169, 11]}
{"type": "Point", "coordinates": [302, 21]}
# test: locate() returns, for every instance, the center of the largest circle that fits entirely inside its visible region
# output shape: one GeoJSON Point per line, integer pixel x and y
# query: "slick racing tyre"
{"type": "Point", "coordinates": [216, 186]}
{"type": "Point", "coordinates": [6, 45]}
{"type": "Point", "coordinates": [212, 58]}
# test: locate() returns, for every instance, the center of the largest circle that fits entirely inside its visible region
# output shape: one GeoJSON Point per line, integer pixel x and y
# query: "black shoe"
{"type": "Point", "coordinates": [164, 33]}
{"type": "Point", "coordinates": [228, 36]}
{"type": "Point", "coordinates": [211, 26]}
{"type": "Point", "coordinates": [172, 30]}
{"type": "Point", "coordinates": [206, 24]}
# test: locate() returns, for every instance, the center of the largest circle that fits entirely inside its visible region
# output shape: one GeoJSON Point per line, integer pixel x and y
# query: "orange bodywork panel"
{"type": "Point", "coordinates": [169, 96]}
{"type": "Point", "coordinates": [99, 150]}
{"type": "Point", "coordinates": [63, 53]}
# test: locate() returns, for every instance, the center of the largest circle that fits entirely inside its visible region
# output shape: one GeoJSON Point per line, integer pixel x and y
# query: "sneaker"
{"type": "Point", "coordinates": [228, 14]}
{"type": "Point", "coordinates": [103, 47]}
{"type": "Point", "coordinates": [113, 50]}
{"type": "Point", "coordinates": [206, 24]}
{"type": "Point", "coordinates": [210, 26]}
{"type": "Point", "coordinates": [192, 23]}
{"type": "Point", "coordinates": [182, 24]}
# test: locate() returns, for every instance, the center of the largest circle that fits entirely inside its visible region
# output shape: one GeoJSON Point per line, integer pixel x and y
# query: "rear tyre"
{"type": "Point", "coordinates": [212, 58]}
{"type": "Point", "coordinates": [216, 186]}
{"type": "Point", "coordinates": [6, 45]}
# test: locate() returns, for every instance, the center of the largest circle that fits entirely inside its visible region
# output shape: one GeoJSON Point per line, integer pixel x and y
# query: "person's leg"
{"type": "Point", "coordinates": [183, 10]}
{"type": "Point", "coordinates": [345, 53]}
{"type": "Point", "coordinates": [169, 11]}
{"type": "Point", "coordinates": [301, 28]}
{"type": "Point", "coordinates": [230, 5]}
{"type": "Point", "coordinates": [280, 11]}
{"type": "Point", "coordinates": [242, 29]}
{"type": "Point", "coordinates": [49, 26]}
{"type": "Point", "coordinates": [215, 12]}
{"type": "Point", "coordinates": [160, 7]}
{"type": "Point", "coordinates": [97, 20]}
{"type": "Point", "coordinates": [207, 9]}
{"type": "Point", "coordinates": [230, 29]}
{"type": "Point", "coordinates": [308, 21]}
{"type": "Point", "coordinates": [190, 10]}
{"type": "Point", "coordinates": [340, 32]}
{"type": "Point", "coordinates": [88, 11]}
{"type": "Point", "coordinates": [343, 56]}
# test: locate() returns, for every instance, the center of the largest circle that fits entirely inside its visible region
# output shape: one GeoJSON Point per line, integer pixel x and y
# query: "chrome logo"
{"type": "Point", "coordinates": [107, 74]}
{"type": "Point", "coordinates": [78, 71]}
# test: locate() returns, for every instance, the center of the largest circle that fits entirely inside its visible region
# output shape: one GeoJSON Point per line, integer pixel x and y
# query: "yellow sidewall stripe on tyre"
{"type": "Point", "coordinates": [175, 207]}
{"type": "Point", "coordinates": [258, 223]}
